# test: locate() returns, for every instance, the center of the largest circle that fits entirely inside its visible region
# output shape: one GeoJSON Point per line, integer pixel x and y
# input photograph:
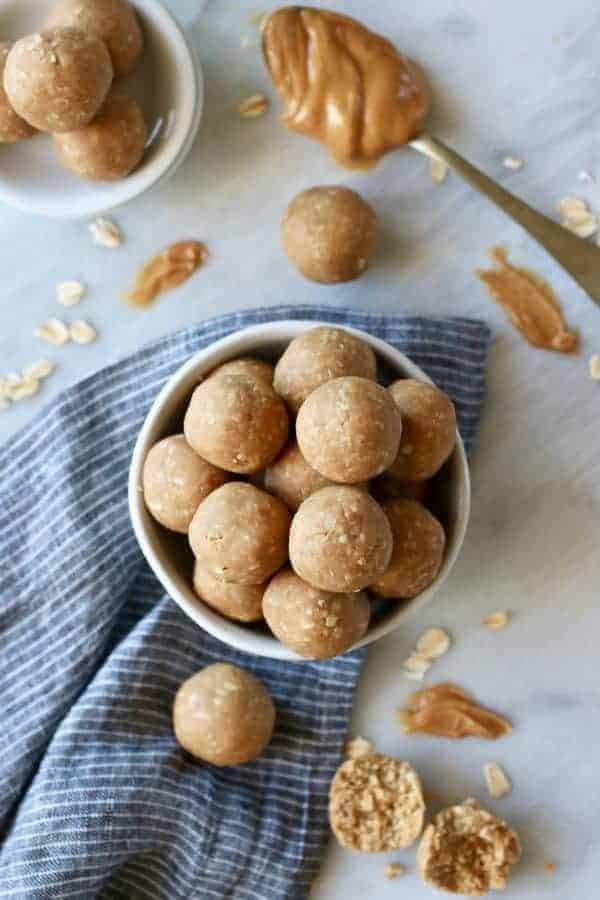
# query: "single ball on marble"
{"type": "Point", "coordinates": [246, 365]}
{"type": "Point", "coordinates": [240, 602]}
{"type": "Point", "coordinates": [240, 534]}
{"type": "Point", "coordinates": [175, 481]}
{"type": "Point", "coordinates": [113, 21]}
{"type": "Point", "coordinates": [12, 127]}
{"type": "Point", "coordinates": [317, 356]}
{"type": "Point", "coordinates": [314, 623]}
{"type": "Point", "coordinates": [340, 537]}
{"type": "Point", "coordinates": [418, 551]}
{"type": "Point", "coordinates": [428, 429]}
{"type": "Point", "coordinates": [349, 430]}
{"type": "Point", "coordinates": [110, 146]}
{"type": "Point", "coordinates": [236, 422]}
{"type": "Point", "coordinates": [223, 715]}
{"type": "Point", "coordinates": [329, 234]}
{"type": "Point", "coordinates": [58, 80]}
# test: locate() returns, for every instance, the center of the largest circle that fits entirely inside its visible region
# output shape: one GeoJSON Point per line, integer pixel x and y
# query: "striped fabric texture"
{"type": "Point", "coordinates": [97, 799]}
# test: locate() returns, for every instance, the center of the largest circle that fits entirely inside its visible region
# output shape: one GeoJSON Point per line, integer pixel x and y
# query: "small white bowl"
{"type": "Point", "coordinates": [168, 554]}
{"type": "Point", "coordinates": [167, 83]}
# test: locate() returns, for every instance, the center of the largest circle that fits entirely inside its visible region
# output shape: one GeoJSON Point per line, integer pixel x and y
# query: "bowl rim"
{"type": "Point", "coordinates": [152, 176]}
{"type": "Point", "coordinates": [232, 633]}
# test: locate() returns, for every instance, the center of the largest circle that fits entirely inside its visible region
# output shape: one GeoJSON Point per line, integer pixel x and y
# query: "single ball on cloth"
{"type": "Point", "coordinates": [112, 21]}
{"type": "Point", "coordinates": [175, 481]}
{"type": "Point", "coordinates": [428, 429]}
{"type": "Point", "coordinates": [58, 80]}
{"type": "Point", "coordinates": [110, 146]}
{"type": "Point", "coordinates": [240, 602]}
{"type": "Point", "coordinates": [223, 715]}
{"type": "Point", "coordinates": [419, 543]}
{"type": "Point", "coordinates": [12, 127]}
{"type": "Point", "coordinates": [317, 356]}
{"type": "Point", "coordinates": [236, 422]}
{"type": "Point", "coordinates": [246, 365]}
{"type": "Point", "coordinates": [467, 850]}
{"type": "Point", "coordinates": [349, 429]}
{"type": "Point", "coordinates": [240, 534]}
{"type": "Point", "coordinates": [292, 479]}
{"type": "Point", "coordinates": [329, 234]}
{"type": "Point", "coordinates": [314, 623]}
{"type": "Point", "coordinates": [339, 537]}
{"type": "Point", "coordinates": [376, 803]}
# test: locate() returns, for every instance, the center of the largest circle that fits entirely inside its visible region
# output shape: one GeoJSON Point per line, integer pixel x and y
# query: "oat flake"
{"type": "Point", "coordinates": [106, 233]}
{"type": "Point", "coordinates": [496, 779]}
{"type": "Point", "coordinates": [253, 107]}
{"type": "Point", "coordinates": [594, 367]}
{"type": "Point", "coordinates": [496, 620]}
{"type": "Point", "coordinates": [433, 643]}
{"type": "Point", "coordinates": [39, 370]}
{"type": "Point", "coordinates": [82, 332]}
{"type": "Point", "coordinates": [438, 170]}
{"type": "Point", "coordinates": [53, 332]}
{"type": "Point", "coordinates": [70, 293]}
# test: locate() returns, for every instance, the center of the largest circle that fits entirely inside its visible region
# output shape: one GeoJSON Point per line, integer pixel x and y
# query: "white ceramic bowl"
{"type": "Point", "coordinates": [170, 557]}
{"type": "Point", "coordinates": [167, 83]}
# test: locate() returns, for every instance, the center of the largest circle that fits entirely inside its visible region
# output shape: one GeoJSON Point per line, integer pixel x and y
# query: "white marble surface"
{"type": "Point", "coordinates": [508, 77]}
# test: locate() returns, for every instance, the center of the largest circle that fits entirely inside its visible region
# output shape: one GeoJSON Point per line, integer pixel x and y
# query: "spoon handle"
{"type": "Point", "coordinates": [580, 258]}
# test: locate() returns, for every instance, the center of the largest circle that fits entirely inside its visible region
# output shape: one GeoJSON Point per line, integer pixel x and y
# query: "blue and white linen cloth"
{"type": "Point", "coordinates": [96, 799]}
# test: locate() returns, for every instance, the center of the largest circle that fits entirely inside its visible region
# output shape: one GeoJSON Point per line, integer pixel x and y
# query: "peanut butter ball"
{"type": "Point", "coordinates": [240, 534]}
{"type": "Point", "coordinates": [339, 538]}
{"type": "Point", "coordinates": [236, 422]}
{"type": "Point", "coordinates": [58, 80]}
{"type": "Point", "coordinates": [110, 146]}
{"type": "Point", "coordinates": [112, 21]}
{"type": "Point", "coordinates": [419, 543]}
{"type": "Point", "coordinates": [317, 356]}
{"type": "Point", "coordinates": [175, 481]}
{"type": "Point", "coordinates": [387, 487]}
{"type": "Point", "coordinates": [249, 366]}
{"type": "Point", "coordinates": [12, 127]}
{"type": "Point", "coordinates": [292, 479]}
{"type": "Point", "coordinates": [349, 429]}
{"type": "Point", "coordinates": [329, 234]}
{"type": "Point", "coordinates": [223, 715]}
{"type": "Point", "coordinates": [240, 602]}
{"type": "Point", "coordinates": [314, 623]}
{"type": "Point", "coordinates": [428, 429]}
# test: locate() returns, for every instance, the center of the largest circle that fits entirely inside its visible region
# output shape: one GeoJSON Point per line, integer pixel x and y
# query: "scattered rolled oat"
{"type": "Point", "coordinates": [496, 779]}
{"type": "Point", "coordinates": [438, 170]}
{"type": "Point", "coordinates": [70, 293]}
{"type": "Point", "coordinates": [39, 370]}
{"type": "Point", "coordinates": [106, 233]}
{"type": "Point", "coordinates": [27, 388]}
{"type": "Point", "coordinates": [358, 746]}
{"type": "Point", "coordinates": [15, 387]}
{"type": "Point", "coordinates": [82, 332]}
{"type": "Point", "coordinates": [394, 870]}
{"type": "Point", "coordinates": [433, 643]}
{"type": "Point", "coordinates": [577, 217]}
{"type": "Point", "coordinates": [53, 332]}
{"type": "Point", "coordinates": [570, 206]}
{"type": "Point", "coordinates": [512, 162]}
{"type": "Point", "coordinates": [254, 106]}
{"type": "Point", "coordinates": [595, 367]}
{"type": "Point", "coordinates": [496, 620]}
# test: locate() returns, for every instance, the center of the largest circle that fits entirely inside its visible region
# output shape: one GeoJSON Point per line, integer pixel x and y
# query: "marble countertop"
{"type": "Point", "coordinates": [508, 78]}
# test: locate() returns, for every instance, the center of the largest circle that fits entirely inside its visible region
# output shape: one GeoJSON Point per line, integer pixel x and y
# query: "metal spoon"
{"type": "Point", "coordinates": [580, 259]}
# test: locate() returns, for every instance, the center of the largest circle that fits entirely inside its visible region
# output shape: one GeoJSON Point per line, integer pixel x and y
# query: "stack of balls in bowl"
{"type": "Point", "coordinates": [58, 82]}
{"type": "Point", "coordinates": [303, 486]}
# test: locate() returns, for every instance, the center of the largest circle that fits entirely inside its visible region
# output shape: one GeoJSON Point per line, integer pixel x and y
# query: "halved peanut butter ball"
{"type": "Point", "coordinates": [349, 429]}
{"type": "Point", "coordinates": [314, 623]}
{"type": "Point", "coordinates": [110, 146]}
{"type": "Point", "coordinates": [175, 481]}
{"type": "Point", "coordinates": [240, 534]}
{"type": "Point", "coordinates": [339, 538]}
{"type": "Point", "coordinates": [236, 422]}
{"type": "Point", "coordinates": [59, 79]}
{"type": "Point", "coordinates": [112, 21]}
{"type": "Point", "coordinates": [240, 602]}
{"type": "Point", "coordinates": [223, 715]}
{"type": "Point", "coordinates": [249, 366]}
{"type": "Point", "coordinates": [419, 542]}
{"type": "Point", "coordinates": [428, 429]}
{"type": "Point", "coordinates": [317, 356]}
{"type": "Point", "coordinates": [12, 127]}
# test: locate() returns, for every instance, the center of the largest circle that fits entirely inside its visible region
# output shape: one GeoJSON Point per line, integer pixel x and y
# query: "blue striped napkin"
{"type": "Point", "coordinates": [97, 799]}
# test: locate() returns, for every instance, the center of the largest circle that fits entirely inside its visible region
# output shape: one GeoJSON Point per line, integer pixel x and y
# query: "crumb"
{"type": "Point", "coordinates": [550, 867]}
{"type": "Point", "coordinates": [496, 620]}
{"type": "Point", "coordinates": [394, 870]}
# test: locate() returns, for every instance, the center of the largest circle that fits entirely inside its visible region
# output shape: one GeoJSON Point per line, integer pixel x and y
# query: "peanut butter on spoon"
{"type": "Point", "coordinates": [343, 84]}
{"type": "Point", "coordinates": [447, 711]}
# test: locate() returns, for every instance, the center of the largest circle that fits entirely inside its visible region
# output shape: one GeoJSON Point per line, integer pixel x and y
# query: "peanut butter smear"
{"type": "Point", "coordinates": [530, 304]}
{"type": "Point", "coordinates": [343, 84]}
{"type": "Point", "coordinates": [165, 271]}
{"type": "Point", "coordinates": [448, 711]}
